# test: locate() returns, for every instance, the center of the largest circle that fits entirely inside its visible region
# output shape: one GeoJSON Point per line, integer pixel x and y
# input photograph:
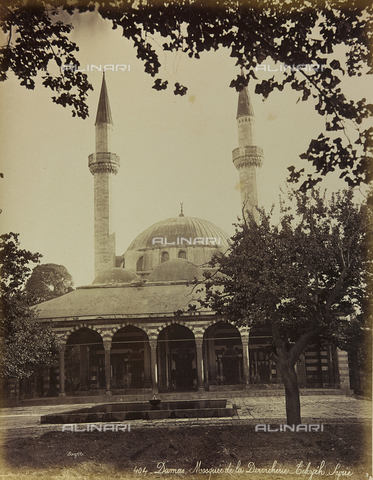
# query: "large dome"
{"type": "Point", "coordinates": [181, 230]}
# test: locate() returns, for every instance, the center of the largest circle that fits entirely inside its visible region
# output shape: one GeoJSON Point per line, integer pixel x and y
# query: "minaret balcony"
{"type": "Point", "coordinates": [104, 162]}
{"type": "Point", "coordinates": [247, 156]}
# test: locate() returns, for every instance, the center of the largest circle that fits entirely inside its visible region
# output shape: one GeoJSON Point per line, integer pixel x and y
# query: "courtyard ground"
{"type": "Point", "coordinates": [197, 448]}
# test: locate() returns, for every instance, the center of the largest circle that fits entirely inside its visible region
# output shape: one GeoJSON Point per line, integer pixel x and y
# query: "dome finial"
{"type": "Point", "coordinates": [181, 210]}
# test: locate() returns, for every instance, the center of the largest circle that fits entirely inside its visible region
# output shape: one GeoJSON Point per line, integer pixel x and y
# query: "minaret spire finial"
{"type": "Point", "coordinates": [103, 109]}
{"type": "Point", "coordinates": [181, 210]}
{"type": "Point", "coordinates": [244, 107]}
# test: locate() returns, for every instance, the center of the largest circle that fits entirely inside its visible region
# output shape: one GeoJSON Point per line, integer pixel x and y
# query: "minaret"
{"type": "Point", "coordinates": [247, 157]}
{"type": "Point", "coordinates": [103, 165]}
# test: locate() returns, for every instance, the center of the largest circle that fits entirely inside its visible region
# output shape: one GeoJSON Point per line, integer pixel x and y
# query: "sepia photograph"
{"type": "Point", "coordinates": [186, 239]}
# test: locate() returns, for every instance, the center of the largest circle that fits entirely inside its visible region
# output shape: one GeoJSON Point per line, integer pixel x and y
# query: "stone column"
{"type": "Point", "coordinates": [166, 373]}
{"type": "Point", "coordinates": [107, 347]}
{"type": "Point", "coordinates": [245, 332]}
{"type": "Point", "coordinates": [199, 362]}
{"type": "Point", "coordinates": [61, 362]}
{"type": "Point", "coordinates": [206, 372]}
{"type": "Point", "coordinates": [344, 371]}
{"type": "Point", "coordinates": [212, 354]}
{"type": "Point", "coordinates": [153, 364]}
{"type": "Point", "coordinates": [83, 370]}
{"type": "Point", "coordinates": [147, 366]}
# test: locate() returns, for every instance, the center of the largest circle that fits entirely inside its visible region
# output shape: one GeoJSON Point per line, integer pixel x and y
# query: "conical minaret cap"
{"type": "Point", "coordinates": [103, 110]}
{"type": "Point", "coordinates": [245, 107]}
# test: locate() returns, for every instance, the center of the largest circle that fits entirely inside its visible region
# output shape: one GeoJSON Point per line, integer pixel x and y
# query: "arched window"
{"type": "Point", "coordinates": [140, 264]}
{"type": "Point", "coordinates": [165, 256]}
{"type": "Point", "coordinates": [182, 254]}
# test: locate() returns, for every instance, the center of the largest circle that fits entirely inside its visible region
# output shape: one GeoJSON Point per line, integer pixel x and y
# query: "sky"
{"type": "Point", "coordinates": [172, 149]}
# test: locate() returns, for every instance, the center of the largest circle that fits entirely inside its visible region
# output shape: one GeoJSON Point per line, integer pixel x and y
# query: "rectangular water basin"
{"type": "Point", "coordinates": [119, 412]}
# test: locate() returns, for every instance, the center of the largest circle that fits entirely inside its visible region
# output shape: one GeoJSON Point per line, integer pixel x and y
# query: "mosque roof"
{"type": "Point", "coordinates": [175, 228]}
{"type": "Point", "coordinates": [136, 300]}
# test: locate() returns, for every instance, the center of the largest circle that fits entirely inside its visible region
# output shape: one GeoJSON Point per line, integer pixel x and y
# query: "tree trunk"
{"type": "Point", "coordinates": [290, 380]}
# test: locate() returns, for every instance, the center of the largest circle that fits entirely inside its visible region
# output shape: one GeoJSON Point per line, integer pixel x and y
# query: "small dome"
{"type": "Point", "coordinates": [116, 275]}
{"type": "Point", "coordinates": [176, 270]}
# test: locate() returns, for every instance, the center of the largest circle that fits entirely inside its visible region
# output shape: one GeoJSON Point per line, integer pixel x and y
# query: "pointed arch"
{"type": "Point", "coordinates": [132, 324]}
{"type": "Point", "coordinates": [177, 358]}
{"type": "Point", "coordinates": [130, 358]}
{"type": "Point", "coordinates": [95, 328]}
{"type": "Point", "coordinates": [170, 322]}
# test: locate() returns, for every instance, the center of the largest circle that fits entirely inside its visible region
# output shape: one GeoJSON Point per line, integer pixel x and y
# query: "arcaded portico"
{"type": "Point", "coordinates": [131, 358]}
{"type": "Point", "coordinates": [137, 353]}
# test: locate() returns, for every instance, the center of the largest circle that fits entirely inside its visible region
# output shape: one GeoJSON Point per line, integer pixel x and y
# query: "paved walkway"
{"type": "Point", "coordinates": [317, 409]}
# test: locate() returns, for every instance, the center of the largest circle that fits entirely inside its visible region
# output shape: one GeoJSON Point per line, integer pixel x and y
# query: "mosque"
{"type": "Point", "coordinates": [120, 335]}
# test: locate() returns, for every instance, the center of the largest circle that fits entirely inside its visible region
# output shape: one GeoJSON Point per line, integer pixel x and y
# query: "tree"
{"type": "Point", "coordinates": [35, 41]}
{"type": "Point", "coordinates": [304, 278]}
{"type": "Point", "coordinates": [26, 343]}
{"type": "Point", "coordinates": [48, 281]}
{"type": "Point", "coordinates": [333, 36]}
